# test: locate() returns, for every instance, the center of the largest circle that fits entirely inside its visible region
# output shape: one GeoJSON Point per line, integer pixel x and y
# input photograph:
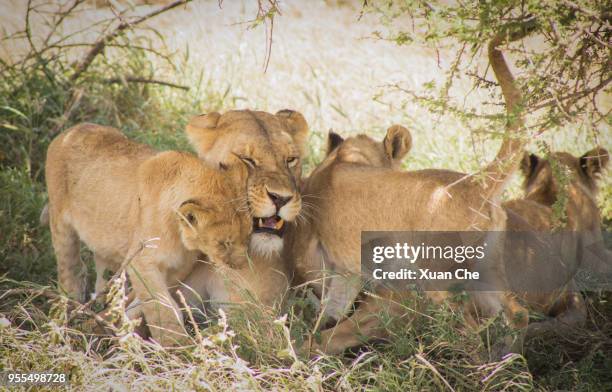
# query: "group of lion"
{"type": "Point", "coordinates": [239, 222]}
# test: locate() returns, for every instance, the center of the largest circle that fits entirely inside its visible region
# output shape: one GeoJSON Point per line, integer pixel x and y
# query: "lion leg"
{"type": "Point", "coordinates": [517, 318]}
{"type": "Point", "coordinates": [162, 314]}
{"type": "Point", "coordinates": [364, 322]}
{"type": "Point", "coordinates": [485, 304]}
{"type": "Point", "coordinates": [101, 266]}
{"type": "Point", "coordinates": [570, 312]}
{"type": "Point", "coordinates": [71, 271]}
{"type": "Point", "coordinates": [341, 294]}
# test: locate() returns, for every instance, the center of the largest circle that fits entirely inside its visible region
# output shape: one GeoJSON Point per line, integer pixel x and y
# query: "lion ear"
{"type": "Point", "coordinates": [397, 143]}
{"type": "Point", "coordinates": [297, 126]}
{"type": "Point", "coordinates": [201, 132]}
{"type": "Point", "coordinates": [191, 217]}
{"type": "Point", "coordinates": [192, 213]}
{"type": "Point", "coordinates": [529, 164]}
{"type": "Point", "coordinates": [189, 213]}
{"type": "Point", "coordinates": [594, 162]}
{"type": "Point", "coordinates": [333, 141]}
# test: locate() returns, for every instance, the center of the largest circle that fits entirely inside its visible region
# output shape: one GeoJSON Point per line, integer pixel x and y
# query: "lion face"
{"type": "Point", "coordinates": [271, 147]}
{"type": "Point", "coordinates": [216, 231]}
{"type": "Point", "coordinates": [542, 185]}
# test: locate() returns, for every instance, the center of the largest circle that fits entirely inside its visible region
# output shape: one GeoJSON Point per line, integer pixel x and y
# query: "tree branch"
{"type": "Point", "coordinates": [132, 79]}
{"type": "Point", "coordinates": [101, 42]}
{"type": "Point", "coordinates": [574, 97]}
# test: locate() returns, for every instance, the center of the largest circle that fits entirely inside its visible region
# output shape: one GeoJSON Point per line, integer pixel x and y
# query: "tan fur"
{"type": "Point", "coordinates": [116, 195]}
{"type": "Point", "coordinates": [261, 281]}
{"type": "Point", "coordinates": [317, 263]}
{"type": "Point", "coordinates": [356, 188]}
{"type": "Point", "coordinates": [350, 197]}
{"type": "Point", "coordinates": [275, 144]}
{"type": "Point", "coordinates": [272, 147]}
{"type": "Point", "coordinates": [535, 213]}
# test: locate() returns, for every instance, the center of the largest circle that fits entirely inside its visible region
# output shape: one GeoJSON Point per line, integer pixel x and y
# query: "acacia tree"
{"type": "Point", "coordinates": [564, 68]}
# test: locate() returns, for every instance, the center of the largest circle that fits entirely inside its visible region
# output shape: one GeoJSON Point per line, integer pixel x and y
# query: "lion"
{"type": "Point", "coordinates": [272, 146]}
{"type": "Point", "coordinates": [547, 285]}
{"type": "Point", "coordinates": [358, 176]}
{"type": "Point", "coordinates": [348, 195]}
{"type": "Point", "coordinates": [564, 306]}
{"type": "Point", "coordinates": [359, 150]}
{"type": "Point", "coordinates": [159, 212]}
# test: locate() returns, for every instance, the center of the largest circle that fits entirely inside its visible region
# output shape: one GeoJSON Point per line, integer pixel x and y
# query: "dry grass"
{"type": "Point", "coordinates": [326, 65]}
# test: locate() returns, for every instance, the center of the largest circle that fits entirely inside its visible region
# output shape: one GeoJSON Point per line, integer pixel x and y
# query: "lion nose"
{"type": "Point", "coordinates": [278, 200]}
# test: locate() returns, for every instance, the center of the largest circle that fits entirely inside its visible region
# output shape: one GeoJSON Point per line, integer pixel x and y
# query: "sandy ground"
{"type": "Point", "coordinates": [324, 63]}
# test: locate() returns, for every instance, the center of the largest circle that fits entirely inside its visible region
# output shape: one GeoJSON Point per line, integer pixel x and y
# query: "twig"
{"type": "Point", "coordinates": [575, 97]}
{"type": "Point", "coordinates": [101, 42]}
{"type": "Point", "coordinates": [481, 79]}
{"type": "Point", "coordinates": [59, 21]}
{"type": "Point", "coordinates": [133, 79]}
{"type": "Point", "coordinates": [196, 329]}
{"type": "Point", "coordinates": [269, 49]}
{"type": "Point", "coordinates": [75, 99]}
{"type": "Point", "coordinates": [28, 33]}
{"type": "Point", "coordinates": [28, 29]}
{"type": "Point", "coordinates": [586, 11]}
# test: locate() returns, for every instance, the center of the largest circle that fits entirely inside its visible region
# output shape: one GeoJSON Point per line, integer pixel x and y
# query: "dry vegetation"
{"type": "Point", "coordinates": [325, 63]}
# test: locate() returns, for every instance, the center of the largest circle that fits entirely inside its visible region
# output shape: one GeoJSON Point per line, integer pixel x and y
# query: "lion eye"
{"type": "Point", "coordinates": [292, 161]}
{"type": "Point", "coordinates": [248, 161]}
{"type": "Point", "coordinates": [191, 218]}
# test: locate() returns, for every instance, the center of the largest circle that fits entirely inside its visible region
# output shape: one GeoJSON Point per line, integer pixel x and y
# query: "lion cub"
{"type": "Point", "coordinates": [534, 212]}
{"type": "Point", "coordinates": [359, 182]}
{"type": "Point", "coordinates": [124, 200]}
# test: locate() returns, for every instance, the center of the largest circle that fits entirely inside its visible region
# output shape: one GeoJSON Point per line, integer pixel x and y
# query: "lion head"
{"type": "Point", "coordinates": [576, 179]}
{"type": "Point", "coordinates": [271, 147]}
{"type": "Point", "coordinates": [209, 228]}
{"type": "Point", "coordinates": [365, 150]}
{"type": "Point", "coordinates": [542, 184]}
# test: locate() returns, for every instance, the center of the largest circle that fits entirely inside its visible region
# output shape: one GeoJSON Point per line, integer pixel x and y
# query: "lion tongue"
{"type": "Point", "coordinates": [271, 223]}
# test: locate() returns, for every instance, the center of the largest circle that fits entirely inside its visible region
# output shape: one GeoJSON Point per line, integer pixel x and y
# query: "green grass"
{"type": "Point", "coordinates": [254, 348]}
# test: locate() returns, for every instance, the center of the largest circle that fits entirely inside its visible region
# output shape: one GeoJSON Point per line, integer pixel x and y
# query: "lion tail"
{"type": "Point", "coordinates": [510, 154]}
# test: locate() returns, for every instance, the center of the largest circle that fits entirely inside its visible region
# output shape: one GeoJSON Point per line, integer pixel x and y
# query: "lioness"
{"type": "Point", "coordinates": [114, 194]}
{"type": "Point", "coordinates": [350, 196]}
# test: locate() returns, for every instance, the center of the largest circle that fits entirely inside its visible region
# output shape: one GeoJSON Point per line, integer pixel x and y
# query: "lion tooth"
{"type": "Point", "coordinates": [279, 224]}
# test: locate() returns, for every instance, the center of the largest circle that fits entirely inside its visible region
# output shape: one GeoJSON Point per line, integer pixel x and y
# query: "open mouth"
{"type": "Point", "coordinates": [272, 224]}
